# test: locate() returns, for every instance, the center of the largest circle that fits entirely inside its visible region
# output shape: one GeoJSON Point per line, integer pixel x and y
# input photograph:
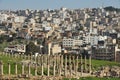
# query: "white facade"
{"type": "Point", "coordinates": [3, 17]}
{"type": "Point", "coordinates": [102, 38]}
{"type": "Point", "coordinates": [86, 39]}
{"type": "Point", "coordinates": [78, 42]}
{"type": "Point", "coordinates": [93, 40]}
{"type": "Point", "coordinates": [90, 39]}
{"type": "Point", "coordinates": [17, 48]}
{"type": "Point", "coordinates": [68, 42]}
{"type": "Point", "coordinates": [71, 42]}
{"type": "Point", "coordinates": [20, 19]}
{"type": "Point", "coordinates": [56, 20]}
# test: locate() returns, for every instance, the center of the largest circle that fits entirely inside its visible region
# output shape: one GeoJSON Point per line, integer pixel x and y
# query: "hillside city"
{"type": "Point", "coordinates": [87, 31]}
{"type": "Point", "coordinates": [60, 44]}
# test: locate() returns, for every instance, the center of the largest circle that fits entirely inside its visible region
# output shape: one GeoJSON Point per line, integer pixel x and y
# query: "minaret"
{"type": "Point", "coordinates": [91, 27]}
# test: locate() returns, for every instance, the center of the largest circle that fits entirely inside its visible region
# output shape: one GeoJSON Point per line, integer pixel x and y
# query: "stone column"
{"type": "Point", "coordinates": [81, 65]}
{"type": "Point", "coordinates": [29, 69]}
{"type": "Point", "coordinates": [61, 61]}
{"type": "Point", "coordinates": [70, 66]}
{"type": "Point", "coordinates": [56, 60]}
{"type": "Point", "coordinates": [42, 71]}
{"type": "Point", "coordinates": [45, 59]}
{"type": "Point", "coordinates": [1, 68]}
{"type": "Point", "coordinates": [9, 68]}
{"type": "Point", "coordinates": [73, 60]}
{"type": "Point", "coordinates": [54, 64]}
{"type": "Point", "coordinates": [85, 65]}
{"type": "Point", "coordinates": [90, 64]}
{"type": "Point", "coordinates": [36, 70]}
{"type": "Point", "coordinates": [39, 60]}
{"type": "Point", "coordinates": [59, 65]}
{"type": "Point", "coordinates": [76, 65]}
{"type": "Point", "coordinates": [16, 68]}
{"type": "Point", "coordinates": [65, 65]}
{"type": "Point", "coordinates": [48, 66]}
{"type": "Point", "coordinates": [22, 68]}
{"type": "Point", "coordinates": [35, 57]}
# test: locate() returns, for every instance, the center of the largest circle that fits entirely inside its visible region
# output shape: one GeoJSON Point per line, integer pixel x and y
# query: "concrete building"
{"type": "Point", "coordinates": [3, 17]}
{"type": "Point", "coordinates": [78, 42]}
{"type": "Point", "coordinates": [93, 40]}
{"type": "Point", "coordinates": [19, 19]}
{"type": "Point", "coordinates": [53, 48]}
{"type": "Point", "coordinates": [56, 49]}
{"type": "Point", "coordinates": [107, 53]}
{"type": "Point", "coordinates": [16, 48]}
{"type": "Point", "coordinates": [68, 42]}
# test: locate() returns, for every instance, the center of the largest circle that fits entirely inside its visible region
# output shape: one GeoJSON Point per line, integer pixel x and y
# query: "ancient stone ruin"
{"type": "Point", "coordinates": [107, 71]}
{"type": "Point", "coordinates": [47, 66]}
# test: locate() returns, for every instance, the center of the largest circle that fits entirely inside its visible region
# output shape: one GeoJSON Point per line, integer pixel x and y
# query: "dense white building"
{"type": "Point", "coordinates": [16, 48]}
{"type": "Point", "coordinates": [90, 39]}
{"type": "Point", "coordinates": [93, 40]}
{"type": "Point", "coordinates": [3, 17]}
{"type": "Point", "coordinates": [20, 19]}
{"type": "Point", "coordinates": [68, 42]}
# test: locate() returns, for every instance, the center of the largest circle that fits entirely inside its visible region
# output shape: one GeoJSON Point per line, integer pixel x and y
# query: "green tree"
{"type": "Point", "coordinates": [110, 8]}
{"type": "Point", "coordinates": [2, 38]}
{"type": "Point", "coordinates": [31, 48]}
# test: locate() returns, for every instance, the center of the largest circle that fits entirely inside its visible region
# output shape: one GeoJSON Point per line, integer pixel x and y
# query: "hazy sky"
{"type": "Point", "coordinates": [54, 4]}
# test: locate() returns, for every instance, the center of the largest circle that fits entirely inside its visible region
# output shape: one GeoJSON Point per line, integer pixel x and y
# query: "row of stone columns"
{"type": "Point", "coordinates": [61, 65]}
{"type": "Point", "coordinates": [16, 69]}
